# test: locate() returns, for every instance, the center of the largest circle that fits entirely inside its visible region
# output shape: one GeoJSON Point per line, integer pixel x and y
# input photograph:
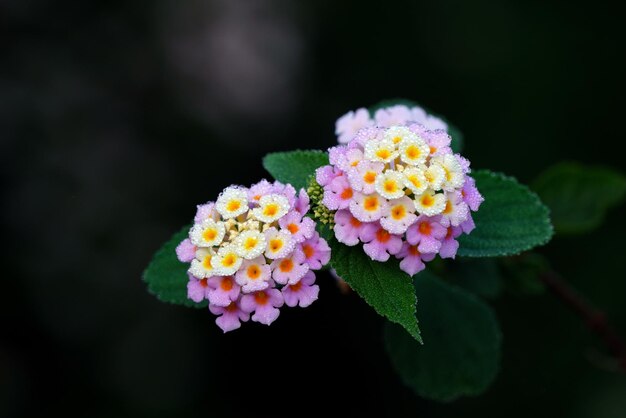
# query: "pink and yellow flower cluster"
{"type": "Point", "coordinates": [400, 191]}
{"type": "Point", "coordinates": [252, 251]}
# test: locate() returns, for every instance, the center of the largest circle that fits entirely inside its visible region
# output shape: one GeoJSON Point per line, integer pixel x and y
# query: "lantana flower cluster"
{"type": "Point", "coordinates": [349, 124]}
{"type": "Point", "coordinates": [400, 191]}
{"type": "Point", "coordinates": [252, 251]}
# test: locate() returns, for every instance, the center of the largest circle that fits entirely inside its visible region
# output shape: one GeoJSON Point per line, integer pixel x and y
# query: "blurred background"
{"type": "Point", "coordinates": [118, 117]}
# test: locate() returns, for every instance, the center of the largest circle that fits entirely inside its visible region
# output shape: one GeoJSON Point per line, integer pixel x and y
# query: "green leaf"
{"type": "Point", "coordinates": [479, 276]}
{"type": "Point", "coordinates": [294, 167]}
{"type": "Point", "coordinates": [461, 351]}
{"type": "Point", "coordinates": [384, 286]}
{"type": "Point", "coordinates": [453, 131]}
{"type": "Point", "coordinates": [579, 195]}
{"type": "Point", "coordinates": [167, 277]}
{"type": "Point", "coordinates": [512, 219]}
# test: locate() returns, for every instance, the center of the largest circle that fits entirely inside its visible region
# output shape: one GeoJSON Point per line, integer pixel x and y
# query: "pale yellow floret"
{"type": "Point", "coordinates": [398, 134]}
{"type": "Point", "coordinates": [453, 172]}
{"type": "Point", "coordinates": [380, 151]}
{"type": "Point", "coordinates": [208, 233]}
{"type": "Point", "coordinates": [226, 262]}
{"type": "Point", "coordinates": [232, 202]}
{"type": "Point", "coordinates": [271, 208]}
{"type": "Point", "coordinates": [390, 184]}
{"type": "Point", "coordinates": [435, 176]}
{"type": "Point", "coordinates": [430, 203]}
{"type": "Point", "coordinates": [415, 180]}
{"type": "Point", "coordinates": [414, 151]}
{"type": "Point", "coordinates": [250, 244]}
{"type": "Point", "coordinates": [201, 267]}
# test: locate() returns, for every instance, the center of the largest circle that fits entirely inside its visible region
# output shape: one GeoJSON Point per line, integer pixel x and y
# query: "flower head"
{"type": "Point", "coordinates": [398, 189]}
{"type": "Point", "coordinates": [248, 247]}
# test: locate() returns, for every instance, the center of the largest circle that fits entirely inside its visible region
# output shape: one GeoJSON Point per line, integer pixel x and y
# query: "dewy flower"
{"type": "Point", "coordinates": [349, 124]}
{"type": "Point", "coordinates": [254, 250]}
{"type": "Point", "coordinates": [399, 190]}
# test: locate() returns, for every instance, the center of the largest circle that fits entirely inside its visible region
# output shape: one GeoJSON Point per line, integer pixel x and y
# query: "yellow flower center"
{"type": "Point", "coordinates": [254, 272]}
{"type": "Point", "coordinates": [233, 205]}
{"type": "Point", "coordinates": [250, 243]}
{"type": "Point", "coordinates": [209, 234]}
{"type": "Point", "coordinates": [427, 200]}
{"type": "Point", "coordinates": [270, 210]}
{"type": "Point", "coordinates": [412, 152]}
{"type": "Point", "coordinates": [390, 186]}
{"type": "Point", "coordinates": [383, 153]}
{"type": "Point", "coordinates": [370, 203]}
{"type": "Point", "coordinates": [415, 181]}
{"type": "Point", "coordinates": [229, 260]}
{"type": "Point", "coordinates": [369, 177]}
{"type": "Point", "coordinates": [398, 212]}
{"type": "Point", "coordinates": [276, 244]}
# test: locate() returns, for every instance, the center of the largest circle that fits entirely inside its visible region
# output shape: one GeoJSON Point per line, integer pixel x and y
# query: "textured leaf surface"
{"type": "Point", "coordinates": [512, 219]}
{"type": "Point", "coordinates": [579, 196]}
{"type": "Point", "coordinates": [453, 131]}
{"type": "Point", "coordinates": [384, 286]}
{"type": "Point", "coordinates": [461, 351]}
{"type": "Point", "coordinates": [294, 167]}
{"type": "Point", "coordinates": [166, 276]}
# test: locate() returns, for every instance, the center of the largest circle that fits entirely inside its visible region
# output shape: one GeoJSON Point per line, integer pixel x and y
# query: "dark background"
{"type": "Point", "coordinates": [118, 117]}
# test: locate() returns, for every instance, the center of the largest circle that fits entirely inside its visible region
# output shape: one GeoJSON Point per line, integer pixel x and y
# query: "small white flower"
{"type": "Point", "coordinates": [279, 243]}
{"type": "Point", "coordinates": [369, 208]}
{"type": "Point", "coordinates": [456, 210]}
{"type": "Point", "coordinates": [435, 176]}
{"type": "Point", "coordinates": [390, 184]}
{"type": "Point", "coordinates": [398, 134]}
{"type": "Point", "coordinates": [271, 208]}
{"type": "Point", "coordinates": [430, 203]}
{"type": "Point", "coordinates": [202, 267]}
{"type": "Point", "coordinates": [232, 202]}
{"type": "Point", "coordinates": [401, 215]}
{"type": "Point", "coordinates": [415, 179]}
{"type": "Point", "coordinates": [380, 151]}
{"type": "Point", "coordinates": [454, 177]}
{"type": "Point", "coordinates": [208, 233]}
{"type": "Point", "coordinates": [250, 244]}
{"type": "Point", "coordinates": [226, 262]}
{"type": "Point", "coordinates": [414, 150]}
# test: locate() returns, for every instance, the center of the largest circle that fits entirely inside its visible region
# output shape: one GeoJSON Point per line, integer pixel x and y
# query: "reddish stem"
{"type": "Point", "coordinates": [594, 319]}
